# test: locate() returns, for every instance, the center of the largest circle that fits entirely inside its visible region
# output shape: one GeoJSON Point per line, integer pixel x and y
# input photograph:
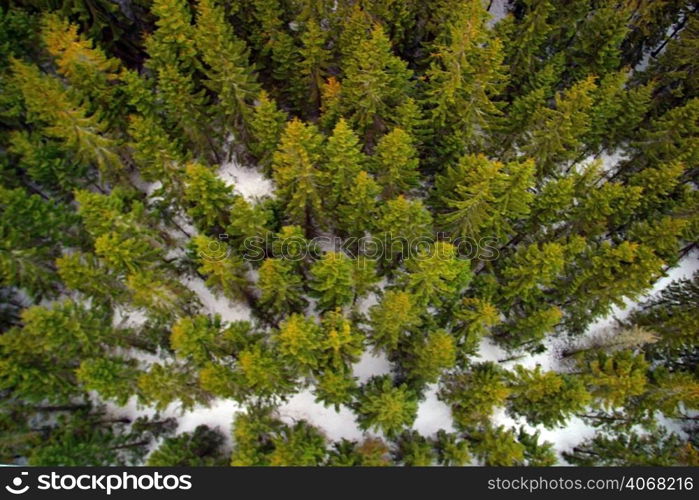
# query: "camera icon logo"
{"type": "Point", "coordinates": [16, 487]}
{"type": "Point", "coordinates": [217, 250]}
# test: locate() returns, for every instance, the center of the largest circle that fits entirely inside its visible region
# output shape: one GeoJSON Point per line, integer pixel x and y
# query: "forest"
{"type": "Point", "coordinates": [349, 232]}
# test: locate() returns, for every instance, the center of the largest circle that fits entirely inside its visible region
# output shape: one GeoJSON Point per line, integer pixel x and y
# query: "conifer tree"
{"type": "Point", "coordinates": [451, 451]}
{"type": "Point", "coordinates": [299, 341]}
{"type": "Point", "coordinates": [249, 227]}
{"type": "Point", "coordinates": [614, 378]}
{"type": "Point", "coordinates": [596, 49]}
{"type": "Point", "coordinates": [187, 109]}
{"type": "Point", "coordinates": [85, 273]}
{"type": "Point", "coordinates": [296, 166]}
{"type": "Point", "coordinates": [415, 450]}
{"type": "Point", "coordinates": [281, 288]}
{"type": "Point", "coordinates": [158, 155]}
{"type": "Point", "coordinates": [395, 163]}
{"type": "Point", "coordinates": [335, 388]}
{"type": "Point", "coordinates": [474, 395]}
{"type": "Point", "coordinates": [671, 316]}
{"type": "Point", "coordinates": [464, 77]}
{"type": "Point", "coordinates": [261, 374]}
{"type": "Point", "coordinates": [402, 225]}
{"type": "Point", "coordinates": [39, 359]}
{"type": "Point", "coordinates": [332, 280]}
{"type": "Point", "coordinates": [224, 272]}
{"type": "Point", "coordinates": [431, 355]}
{"type": "Point", "coordinates": [266, 127]}
{"type": "Point", "coordinates": [173, 42]}
{"type": "Point", "coordinates": [229, 75]}
{"type": "Point", "coordinates": [546, 398]}
{"type": "Point", "coordinates": [344, 161]}
{"type": "Point", "coordinates": [659, 448]}
{"type": "Point", "coordinates": [342, 343]}
{"type": "Point", "coordinates": [384, 406]}
{"type": "Point", "coordinates": [208, 197]}
{"type": "Point", "coordinates": [498, 447]}
{"type": "Point", "coordinates": [525, 37]}
{"type": "Point", "coordinates": [392, 318]}
{"type": "Point", "coordinates": [88, 70]}
{"type": "Point", "coordinates": [315, 60]}
{"type": "Point", "coordinates": [436, 275]}
{"type": "Point", "coordinates": [536, 454]}
{"type": "Point", "coordinates": [112, 378]}
{"type": "Point", "coordinates": [357, 214]}
{"type": "Point", "coordinates": [159, 294]}
{"type": "Point", "coordinates": [554, 136]}
{"type": "Point", "coordinates": [482, 197]}
{"type": "Point", "coordinates": [527, 332]}
{"type": "Point", "coordinates": [376, 83]}
{"type": "Point", "coordinates": [475, 318]}
{"type": "Point", "coordinates": [84, 134]}
{"type": "Point", "coordinates": [199, 448]}
{"type": "Point", "coordinates": [164, 384]}
{"type": "Point", "coordinates": [607, 274]}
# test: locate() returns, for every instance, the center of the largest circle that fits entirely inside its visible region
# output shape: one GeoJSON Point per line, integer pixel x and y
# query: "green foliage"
{"type": "Point", "coordinates": [436, 275]}
{"type": "Point", "coordinates": [344, 162]}
{"type": "Point", "coordinates": [392, 318]}
{"type": "Point", "coordinates": [281, 288]}
{"type": "Point", "coordinates": [498, 447]}
{"type": "Point", "coordinates": [658, 448]}
{"type": "Point", "coordinates": [464, 77]}
{"type": "Point", "coordinates": [225, 272]}
{"type": "Point", "coordinates": [474, 395]}
{"type": "Point", "coordinates": [262, 439]}
{"type": "Point", "coordinates": [431, 356]}
{"type": "Point", "coordinates": [112, 378]}
{"type": "Point", "coordinates": [296, 166]}
{"type": "Point", "coordinates": [546, 398]}
{"type": "Point", "coordinates": [376, 84]}
{"type": "Point", "coordinates": [299, 340]}
{"type": "Point", "coordinates": [395, 163]}
{"type": "Point", "coordinates": [385, 407]}
{"type": "Point", "coordinates": [201, 447]}
{"type": "Point", "coordinates": [332, 280]}
{"type": "Point", "coordinates": [614, 379]}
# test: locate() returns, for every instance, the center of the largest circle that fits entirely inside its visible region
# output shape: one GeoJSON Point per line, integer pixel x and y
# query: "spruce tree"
{"type": "Point", "coordinates": [296, 166]}
{"type": "Point", "coordinates": [280, 287]}
{"type": "Point", "coordinates": [385, 407]}
{"type": "Point", "coordinates": [332, 281]}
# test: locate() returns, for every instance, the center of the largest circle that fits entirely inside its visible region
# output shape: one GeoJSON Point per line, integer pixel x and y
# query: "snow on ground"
{"type": "Point", "coordinates": [686, 268]}
{"type": "Point", "coordinates": [432, 414]}
{"type": "Point", "coordinates": [371, 364]}
{"type": "Point", "coordinates": [219, 414]}
{"type": "Point", "coordinates": [128, 318]}
{"type": "Point", "coordinates": [218, 304]}
{"type": "Point", "coordinates": [372, 298]}
{"type": "Point", "coordinates": [335, 425]}
{"type": "Point", "coordinates": [498, 10]}
{"type": "Point", "coordinates": [247, 181]}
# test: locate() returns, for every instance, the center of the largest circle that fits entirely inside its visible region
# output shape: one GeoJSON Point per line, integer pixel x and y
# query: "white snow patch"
{"type": "Point", "coordinates": [335, 425]}
{"type": "Point", "coordinates": [371, 299]}
{"type": "Point", "coordinates": [246, 181]}
{"type": "Point", "coordinates": [565, 438]}
{"type": "Point", "coordinates": [371, 364]}
{"type": "Point", "coordinates": [219, 414]}
{"type": "Point", "coordinates": [128, 318]}
{"type": "Point", "coordinates": [229, 311]}
{"type": "Point", "coordinates": [498, 10]}
{"type": "Point", "coordinates": [433, 414]}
